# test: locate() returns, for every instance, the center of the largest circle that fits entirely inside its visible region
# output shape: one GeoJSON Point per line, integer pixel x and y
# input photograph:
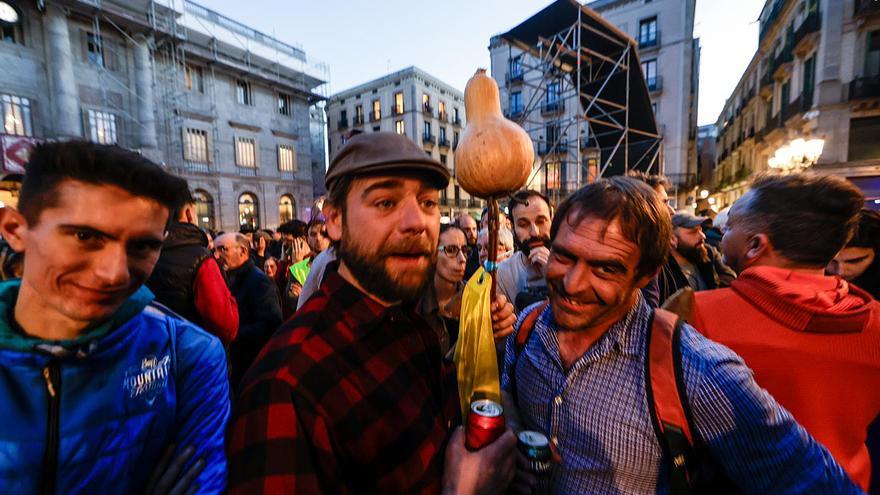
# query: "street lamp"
{"type": "Point", "coordinates": [797, 155]}
{"type": "Point", "coordinates": [704, 194]}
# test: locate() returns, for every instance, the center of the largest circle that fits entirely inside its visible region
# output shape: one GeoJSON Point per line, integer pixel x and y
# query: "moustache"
{"type": "Point", "coordinates": [417, 246]}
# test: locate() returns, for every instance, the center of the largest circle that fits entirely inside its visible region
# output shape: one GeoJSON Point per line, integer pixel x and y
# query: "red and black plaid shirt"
{"type": "Point", "coordinates": [349, 396]}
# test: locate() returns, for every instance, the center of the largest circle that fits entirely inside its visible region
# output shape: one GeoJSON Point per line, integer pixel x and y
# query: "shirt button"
{"type": "Point", "coordinates": [558, 400]}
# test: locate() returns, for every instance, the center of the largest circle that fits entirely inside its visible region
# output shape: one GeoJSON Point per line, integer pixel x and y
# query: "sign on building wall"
{"type": "Point", "coordinates": [15, 152]}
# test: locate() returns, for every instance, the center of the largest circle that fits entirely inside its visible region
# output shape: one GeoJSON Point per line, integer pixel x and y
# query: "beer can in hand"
{"type": "Point", "coordinates": [485, 423]}
{"type": "Point", "coordinates": [536, 447]}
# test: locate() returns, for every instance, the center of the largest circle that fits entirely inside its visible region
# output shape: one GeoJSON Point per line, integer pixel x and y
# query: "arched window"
{"type": "Point", "coordinates": [248, 211]}
{"type": "Point", "coordinates": [204, 209]}
{"type": "Point", "coordinates": [286, 208]}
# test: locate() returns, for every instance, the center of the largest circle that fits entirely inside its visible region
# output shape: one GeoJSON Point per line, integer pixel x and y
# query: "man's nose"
{"type": "Point", "coordinates": [412, 218]}
{"type": "Point", "coordinates": [112, 267]}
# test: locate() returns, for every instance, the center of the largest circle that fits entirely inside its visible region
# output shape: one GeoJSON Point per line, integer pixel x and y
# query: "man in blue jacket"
{"type": "Point", "coordinates": [95, 381]}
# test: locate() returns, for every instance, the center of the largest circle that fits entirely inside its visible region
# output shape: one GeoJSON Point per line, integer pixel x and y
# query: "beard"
{"type": "Point", "coordinates": [371, 270]}
{"type": "Point", "coordinates": [694, 254]}
{"type": "Point", "coordinates": [527, 245]}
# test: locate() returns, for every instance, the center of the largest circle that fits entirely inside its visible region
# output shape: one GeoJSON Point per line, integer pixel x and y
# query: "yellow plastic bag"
{"type": "Point", "coordinates": [475, 357]}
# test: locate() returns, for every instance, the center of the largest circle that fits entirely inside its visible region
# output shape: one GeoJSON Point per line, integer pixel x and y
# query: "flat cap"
{"type": "Point", "coordinates": [376, 152]}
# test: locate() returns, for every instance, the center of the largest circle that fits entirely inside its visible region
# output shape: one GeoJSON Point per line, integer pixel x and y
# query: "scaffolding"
{"type": "Point", "coordinates": [588, 108]}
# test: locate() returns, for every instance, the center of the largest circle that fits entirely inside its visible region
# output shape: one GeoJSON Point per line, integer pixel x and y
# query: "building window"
{"type": "Point", "coordinates": [863, 142]}
{"type": "Point", "coordinates": [455, 139]}
{"type": "Point", "coordinates": [809, 80]}
{"type": "Point", "coordinates": [376, 114]}
{"type": "Point", "coordinates": [204, 209]}
{"type": "Point", "coordinates": [17, 115]}
{"type": "Point", "coordinates": [102, 127]}
{"type": "Point", "coordinates": [195, 146]}
{"type": "Point", "coordinates": [193, 78]}
{"type": "Point", "coordinates": [649, 69]}
{"type": "Point", "coordinates": [427, 130]}
{"type": "Point", "coordinates": [284, 104]}
{"type": "Point", "coordinates": [246, 152]}
{"type": "Point", "coordinates": [286, 208]}
{"type": "Point", "coordinates": [286, 158]}
{"type": "Point", "coordinates": [554, 92]}
{"type": "Point", "coordinates": [443, 159]}
{"type": "Point", "coordinates": [648, 32]}
{"type": "Point", "coordinates": [872, 54]}
{"type": "Point", "coordinates": [398, 103]}
{"type": "Point", "coordinates": [426, 103]}
{"type": "Point", "coordinates": [11, 31]}
{"type": "Point", "coordinates": [243, 92]}
{"type": "Point", "coordinates": [441, 111]}
{"type": "Point", "coordinates": [359, 115]}
{"type": "Point", "coordinates": [442, 134]}
{"type": "Point", "coordinates": [516, 107]}
{"type": "Point", "coordinates": [399, 127]}
{"type": "Point", "coordinates": [455, 116]}
{"type": "Point", "coordinates": [248, 211]}
{"type": "Point", "coordinates": [516, 68]}
{"type": "Point", "coordinates": [552, 176]}
{"type": "Point", "coordinates": [94, 49]}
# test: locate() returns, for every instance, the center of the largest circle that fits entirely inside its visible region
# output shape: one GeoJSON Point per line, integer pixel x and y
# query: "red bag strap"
{"type": "Point", "coordinates": [663, 376]}
{"type": "Point", "coordinates": [528, 324]}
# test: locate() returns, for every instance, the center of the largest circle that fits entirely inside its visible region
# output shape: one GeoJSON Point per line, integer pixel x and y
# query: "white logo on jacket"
{"type": "Point", "coordinates": [149, 379]}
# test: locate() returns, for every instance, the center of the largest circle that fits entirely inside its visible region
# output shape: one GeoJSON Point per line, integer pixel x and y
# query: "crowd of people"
{"type": "Point", "coordinates": [657, 350]}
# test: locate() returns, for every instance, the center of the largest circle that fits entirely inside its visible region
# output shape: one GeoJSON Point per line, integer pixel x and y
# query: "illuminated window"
{"type": "Point", "coordinates": [246, 152]}
{"type": "Point", "coordinates": [286, 208]}
{"type": "Point", "coordinates": [286, 158]}
{"type": "Point", "coordinates": [16, 115]}
{"type": "Point", "coordinates": [248, 211]}
{"type": "Point", "coordinates": [195, 147]}
{"type": "Point", "coordinates": [399, 127]}
{"type": "Point", "coordinates": [102, 127]}
{"type": "Point", "coordinates": [204, 209]}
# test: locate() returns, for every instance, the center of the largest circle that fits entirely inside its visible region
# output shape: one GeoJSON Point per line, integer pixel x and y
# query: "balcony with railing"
{"type": "Point", "coordinates": [867, 7]}
{"type": "Point", "coordinates": [555, 147]}
{"type": "Point", "coordinates": [782, 62]}
{"type": "Point", "coordinates": [771, 19]}
{"type": "Point", "coordinates": [429, 139]}
{"type": "Point", "coordinates": [456, 121]}
{"type": "Point", "coordinates": [443, 116]}
{"type": "Point", "coordinates": [514, 76]}
{"type": "Point", "coordinates": [792, 109]}
{"type": "Point", "coordinates": [443, 142]}
{"type": "Point", "coordinates": [552, 107]}
{"type": "Point", "coordinates": [864, 87]}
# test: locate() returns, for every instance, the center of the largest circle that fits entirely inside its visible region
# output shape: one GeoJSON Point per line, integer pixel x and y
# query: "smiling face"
{"type": "Point", "coordinates": [591, 274]}
{"type": "Point", "coordinates": [81, 262]}
{"type": "Point", "coordinates": [389, 232]}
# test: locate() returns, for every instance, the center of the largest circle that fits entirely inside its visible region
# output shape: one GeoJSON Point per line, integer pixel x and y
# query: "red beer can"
{"type": "Point", "coordinates": [485, 423]}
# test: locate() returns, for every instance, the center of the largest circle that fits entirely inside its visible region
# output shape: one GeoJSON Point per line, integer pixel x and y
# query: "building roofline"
{"type": "Point", "coordinates": [410, 71]}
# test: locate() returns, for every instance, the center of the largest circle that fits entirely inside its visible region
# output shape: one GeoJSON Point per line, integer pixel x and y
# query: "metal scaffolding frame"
{"type": "Point", "coordinates": [579, 87]}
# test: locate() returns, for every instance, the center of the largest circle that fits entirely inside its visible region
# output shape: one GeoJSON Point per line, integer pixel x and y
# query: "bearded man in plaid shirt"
{"type": "Point", "coordinates": [352, 394]}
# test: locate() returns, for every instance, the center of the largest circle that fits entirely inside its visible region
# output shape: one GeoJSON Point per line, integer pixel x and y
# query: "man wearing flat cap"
{"type": "Point", "coordinates": [691, 262]}
{"type": "Point", "coordinates": [352, 394]}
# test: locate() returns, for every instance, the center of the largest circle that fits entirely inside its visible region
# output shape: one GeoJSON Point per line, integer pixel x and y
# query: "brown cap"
{"type": "Point", "coordinates": [375, 152]}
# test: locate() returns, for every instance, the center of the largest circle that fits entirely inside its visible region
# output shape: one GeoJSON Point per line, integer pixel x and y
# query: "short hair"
{"type": "Point", "coordinates": [186, 198]}
{"type": "Point", "coordinates": [243, 242]}
{"type": "Point", "coordinates": [295, 227]}
{"type": "Point", "coordinates": [462, 217]}
{"type": "Point", "coordinates": [868, 232]}
{"type": "Point", "coordinates": [51, 163]}
{"type": "Point", "coordinates": [319, 220]}
{"type": "Point", "coordinates": [642, 216]}
{"type": "Point", "coordinates": [505, 236]}
{"type": "Point", "coordinates": [808, 217]}
{"type": "Point", "coordinates": [521, 198]}
{"type": "Point", "coordinates": [652, 180]}
{"type": "Point", "coordinates": [450, 226]}
{"type": "Point", "coordinates": [246, 229]}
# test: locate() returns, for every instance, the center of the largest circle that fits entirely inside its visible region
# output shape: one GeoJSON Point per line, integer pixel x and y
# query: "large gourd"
{"type": "Point", "coordinates": [495, 155]}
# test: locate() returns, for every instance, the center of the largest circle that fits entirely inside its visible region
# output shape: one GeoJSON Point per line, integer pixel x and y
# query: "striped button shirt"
{"type": "Point", "coordinates": [597, 413]}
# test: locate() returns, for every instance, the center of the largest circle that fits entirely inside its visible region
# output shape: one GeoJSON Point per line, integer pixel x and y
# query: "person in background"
{"type": "Point", "coordinates": [811, 340]}
{"type": "Point", "coordinates": [521, 277]}
{"type": "Point", "coordinates": [260, 249]}
{"type": "Point", "coordinates": [96, 381]}
{"type": "Point", "coordinates": [858, 261]}
{"type": "Point", "coordinates": [270, 267]}
{"type": "Point", "coordinates": [11, 262]}
{"type": "Point", "coordinates": [468, 225]}
{"type": "Point", "coordinates": [505, 245]}
{"type": "Point", "coordinates": [188, 279]}
{"type": "Point", "coordinates": [692, 263]}
{"type": "Point", "coordinates": [259, 309]}
{"type": "Point", "coordinates": [449, 277]}
{"type": "Point", "coordinates": [318, 242]}
{"type": "Point", "coordinates": [579, 376]}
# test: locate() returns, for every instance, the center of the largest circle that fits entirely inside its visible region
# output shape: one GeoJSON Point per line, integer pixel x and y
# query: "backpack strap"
{"type": "Point", "coordinates": [526, 327]}
{"type": "Point", "coordinates": [666, 398]}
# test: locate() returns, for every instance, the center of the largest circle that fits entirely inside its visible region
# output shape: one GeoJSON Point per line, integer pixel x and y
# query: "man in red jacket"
{"type": "Point", "coordinates": [813, 341]}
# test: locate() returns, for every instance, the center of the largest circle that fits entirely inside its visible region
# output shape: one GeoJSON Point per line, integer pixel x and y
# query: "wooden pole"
{"type": "Point", "coordinates": [493, 238]}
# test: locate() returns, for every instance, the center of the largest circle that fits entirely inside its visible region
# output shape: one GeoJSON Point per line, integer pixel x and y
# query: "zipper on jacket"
{"type": "Point", "coordinates": [52, 375]}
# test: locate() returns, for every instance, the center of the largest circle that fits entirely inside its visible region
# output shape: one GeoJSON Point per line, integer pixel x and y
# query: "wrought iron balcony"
{"type": "Point", "coordinates": [864, 87]}
{"type": "Point", "coordinates": [456, 121]}
{"type": "Point", "coordinates": [427, 108]}
{"type": "Point", "coordinates": [810, 25]}
{"type": "Point", "coordinates": [443, 142]}
{"type": "Point", "coordinates": [375, 116]}
{"type": "Point", "coordinates": [396, 109]}
{"type": "Point", "coordinates": [646, 43]}
{"type": "Point", "coordinates": [428, 138]}
{"type": "Point", "coordinates": [550, 107]}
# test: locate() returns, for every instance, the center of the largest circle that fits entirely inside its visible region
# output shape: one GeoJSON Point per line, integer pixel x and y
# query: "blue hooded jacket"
{"type": "Point", "coordinates": [95, 414]}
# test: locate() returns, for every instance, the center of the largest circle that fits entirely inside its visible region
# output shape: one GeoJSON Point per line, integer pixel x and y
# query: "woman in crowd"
{"type": "Point", "coordinates": [505, 244]}
{"type": "Point", "coordinates": [449, 276]}
{"type": "Point", "coordinates": [858, 261]}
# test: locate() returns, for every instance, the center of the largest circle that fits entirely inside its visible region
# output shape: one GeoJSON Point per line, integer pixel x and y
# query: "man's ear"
{"type": "Point", "coordinates": [190, 214]}
{"type": "Point", "coordinates": [13, 227]}
{"type": "Point", "coordinates": [334, 221]}
{"type": "Point", "coordinates": [757, 247]}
